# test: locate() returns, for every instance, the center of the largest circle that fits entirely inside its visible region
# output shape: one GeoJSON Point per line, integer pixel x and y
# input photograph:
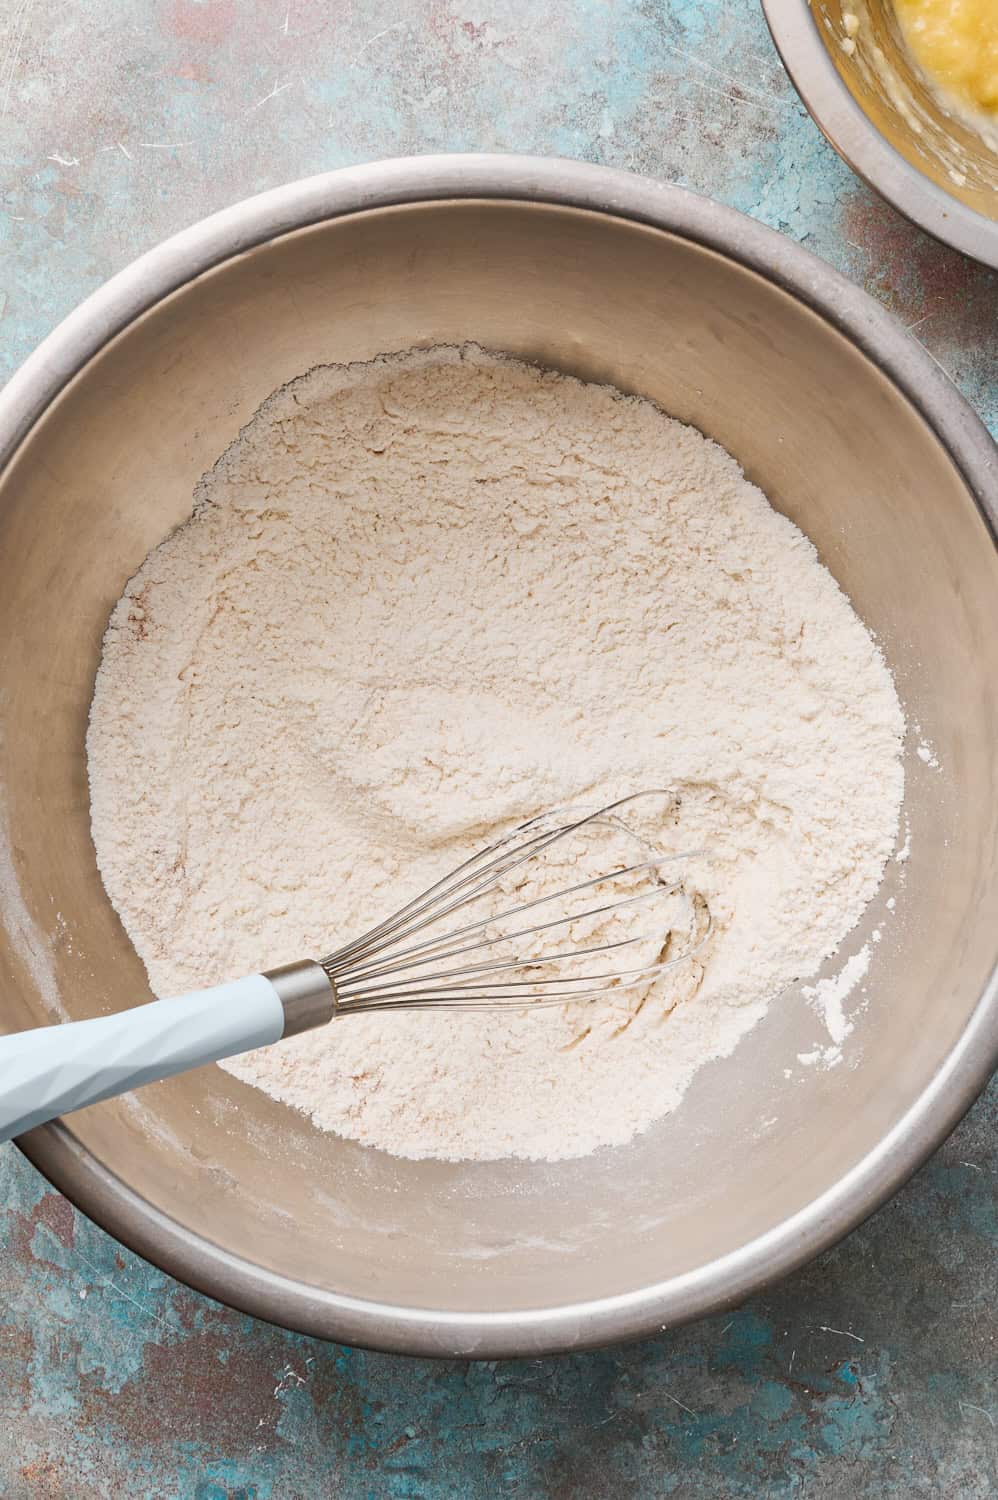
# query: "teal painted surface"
{"type": "Point", "coordinates": [872, 1372]}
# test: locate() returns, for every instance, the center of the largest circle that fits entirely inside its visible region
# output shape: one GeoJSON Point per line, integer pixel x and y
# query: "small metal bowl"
{"type": "Point", "coordinates": [850, 66]}
{"type": "Point", "coordinates": [850, 428]}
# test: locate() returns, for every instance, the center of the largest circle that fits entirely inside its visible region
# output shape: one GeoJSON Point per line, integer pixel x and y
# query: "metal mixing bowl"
{"type": "Point", "coordinates": [876, 108]}
{"type": "Point", "coordinates": [853, 432]}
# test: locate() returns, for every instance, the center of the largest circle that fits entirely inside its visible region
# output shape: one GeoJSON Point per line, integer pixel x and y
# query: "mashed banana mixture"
{"type": "Point", "coordinates": [955, 42]}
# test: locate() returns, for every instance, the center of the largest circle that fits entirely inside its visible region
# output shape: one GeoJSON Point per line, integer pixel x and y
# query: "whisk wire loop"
{"type": "Point", "coordinates": [395, 965]}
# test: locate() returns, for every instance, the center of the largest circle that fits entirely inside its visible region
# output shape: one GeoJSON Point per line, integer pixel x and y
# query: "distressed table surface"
{"type": "Point", "coordinates": [872, 1372]}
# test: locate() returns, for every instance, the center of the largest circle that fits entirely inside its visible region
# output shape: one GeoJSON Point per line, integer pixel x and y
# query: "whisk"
{"type": "Point", "coordinates": [447, 948]}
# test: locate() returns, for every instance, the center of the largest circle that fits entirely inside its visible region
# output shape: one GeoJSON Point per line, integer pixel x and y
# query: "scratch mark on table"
{"type": "Point", "coordinates": [109, 1284]}
{"type": "Point", "coordinates": [843, 1331]}
{"type": "Point", "coordinates": [395, 26]}
{"type": "Point", "coordinates": [741, 98]}
{"type": "Point", "coordinates": [12, 52]}
{"type": "Point", "coordinates": [278, 88]}
{"type": "Point", "coordinates": [728, 78]}
{"type": "Point", "coordinates": [969, 1406]}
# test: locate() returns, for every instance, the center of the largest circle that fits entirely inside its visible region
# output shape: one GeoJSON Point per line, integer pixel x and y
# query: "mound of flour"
{"type": "Point", "coordinates": [423, 596]}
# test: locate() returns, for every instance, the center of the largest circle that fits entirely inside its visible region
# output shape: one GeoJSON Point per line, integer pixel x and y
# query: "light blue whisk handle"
{"type": "Point", "coordinates": [53, 1070]}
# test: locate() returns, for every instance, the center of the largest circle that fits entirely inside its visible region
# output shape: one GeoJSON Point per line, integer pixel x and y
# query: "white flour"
{"type": "Point", "coordinates": [427, 595]}
{"type": "Point", "coordinates": [828, 998]}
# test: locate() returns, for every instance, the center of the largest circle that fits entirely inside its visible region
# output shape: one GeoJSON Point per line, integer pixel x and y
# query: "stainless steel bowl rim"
{"type": "Point", "coordinates": [55, 1150]}
{"type": "Point", "coordinates": [861, 145]}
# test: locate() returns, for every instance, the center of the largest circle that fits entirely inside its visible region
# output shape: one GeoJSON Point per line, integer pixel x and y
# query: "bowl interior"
{"type": "Point", "coordinates": [871, 57]}
{"type": "Point", "coordinates": [110, 469]}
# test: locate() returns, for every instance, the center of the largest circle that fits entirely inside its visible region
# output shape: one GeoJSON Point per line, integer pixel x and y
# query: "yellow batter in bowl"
{"type": "Point", "coordinates": [955, 42]}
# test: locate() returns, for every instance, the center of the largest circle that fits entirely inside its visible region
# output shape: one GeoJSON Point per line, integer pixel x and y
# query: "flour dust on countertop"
{"type": "Point", "coordinates": [427, 596]}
